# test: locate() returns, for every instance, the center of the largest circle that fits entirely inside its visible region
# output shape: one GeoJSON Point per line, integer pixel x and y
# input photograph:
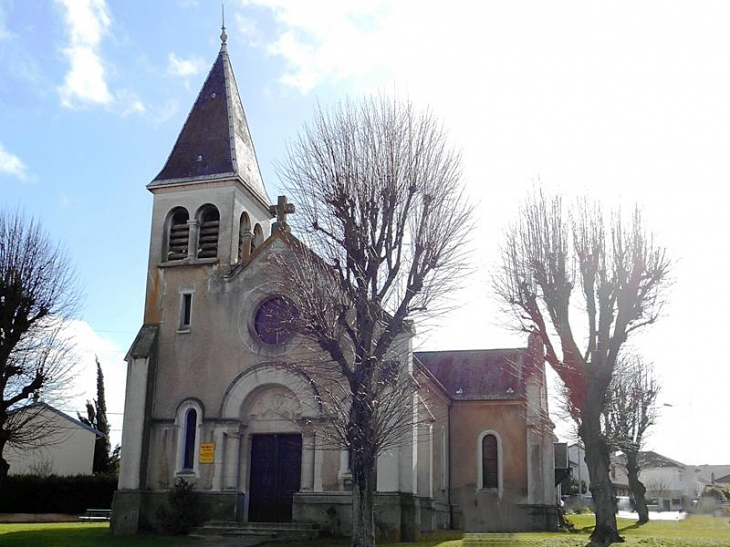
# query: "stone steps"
{"type": "Point", "coordinates": [262, 530]}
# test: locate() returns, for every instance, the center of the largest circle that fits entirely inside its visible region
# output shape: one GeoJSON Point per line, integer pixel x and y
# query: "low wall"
{"type": "Point", "coordinates": [398, 517]}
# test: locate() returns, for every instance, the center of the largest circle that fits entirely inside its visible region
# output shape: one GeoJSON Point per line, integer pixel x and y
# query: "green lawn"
{"type": "Point", "coordinates": [77, 534]}
{"type": "Point", "coordinates": [694, 531]}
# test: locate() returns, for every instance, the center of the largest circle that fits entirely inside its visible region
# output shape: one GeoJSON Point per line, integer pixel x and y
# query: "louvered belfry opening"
{"type": "Point", "coordinates": [177, 243]}
{"type": "Point", "coordinates": [208, 236]}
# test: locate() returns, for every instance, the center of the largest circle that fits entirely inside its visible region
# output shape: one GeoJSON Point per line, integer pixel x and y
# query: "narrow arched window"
{"type": "Point", "coordinates": [208, 234]}
{"type": "Point", "coordinates": [490, 462]}
{"type": "Point", "coordinates": [191, 426]}
{"type": "Point", "coordinates": [244, 238]}
{"type": "Point", "coordinates": [258, 237]}
{"type": "Point", "coordinates": [178, 233]}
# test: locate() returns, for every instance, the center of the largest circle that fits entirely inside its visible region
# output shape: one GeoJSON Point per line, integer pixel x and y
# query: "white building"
{"type": "Point", "coordinates": [66, 446]}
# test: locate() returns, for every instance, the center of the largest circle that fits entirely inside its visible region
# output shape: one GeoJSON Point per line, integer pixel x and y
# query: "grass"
{"type": "Point", "coordinates": [78, 534]}
{"type": "Point", "coordinates": [698, 531]}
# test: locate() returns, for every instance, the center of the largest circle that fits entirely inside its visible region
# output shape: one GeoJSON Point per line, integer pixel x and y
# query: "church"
{"type": "Point", "coordinates": [208, 399]}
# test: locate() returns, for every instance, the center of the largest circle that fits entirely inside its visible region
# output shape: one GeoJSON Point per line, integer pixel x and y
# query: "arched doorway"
{"type": "Point", "coordinates": [275, 452]}
{"type": "Point", "coordinates": [276, 456]}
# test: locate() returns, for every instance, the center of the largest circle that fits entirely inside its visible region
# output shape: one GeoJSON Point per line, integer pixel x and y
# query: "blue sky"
{"type": "Point", "coordinates": [625, 101]}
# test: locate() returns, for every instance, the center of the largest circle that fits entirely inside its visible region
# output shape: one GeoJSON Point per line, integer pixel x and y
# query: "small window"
{"type": "Point", "coordinates": [244, 238]}
{"type": "Point", "coordinates": [178, 235]}
{"type": "Point", "coordinates": [275, 320]}
{"type": "Point", "coordinates": [191, 426]}
{"type": "Point", "coordinates": [490, 462]}
{"type": "Point", "coordinates": [208, 234]}
{"type": "Point", "coordinates": [186, 310]}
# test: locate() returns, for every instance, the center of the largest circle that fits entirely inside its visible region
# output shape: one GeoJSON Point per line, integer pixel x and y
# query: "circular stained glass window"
{"type": "Point", "coordinates": [275, 320]}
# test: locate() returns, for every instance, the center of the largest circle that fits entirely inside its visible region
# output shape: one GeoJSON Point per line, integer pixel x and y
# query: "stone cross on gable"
{"type": "Point", "coordinates": [281, 209]}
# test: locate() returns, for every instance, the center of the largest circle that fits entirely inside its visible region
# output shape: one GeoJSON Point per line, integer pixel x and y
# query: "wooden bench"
{"type": "Point", "coordinates": [92, 515]}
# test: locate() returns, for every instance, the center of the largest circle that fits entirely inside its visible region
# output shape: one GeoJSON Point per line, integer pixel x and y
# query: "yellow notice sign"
{"type": "Point", "coordinates": [207, 451]}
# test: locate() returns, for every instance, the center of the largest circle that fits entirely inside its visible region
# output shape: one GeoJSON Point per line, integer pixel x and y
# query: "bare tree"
{"type": "Point", "coordinates": [380, 204]}
{"type": "Point", "coordinates": [660, 487]}
{"type": "Point", "coordinates": [37, 295]}
{"type": "Point", "coordinates": [549, 257]}
{"type": "Point", "coordinates": [631, 410]}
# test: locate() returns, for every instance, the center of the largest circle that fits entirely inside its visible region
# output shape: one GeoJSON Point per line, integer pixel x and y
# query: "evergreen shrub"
{"type": "Point", "coordinates": [184, 511]}
{"type": "Point", "coordinates": [54, 494]}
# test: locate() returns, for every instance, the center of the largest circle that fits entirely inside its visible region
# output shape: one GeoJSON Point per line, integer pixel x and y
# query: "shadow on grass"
{"type": "Point", "coordinates": [634, 526]}
{"type": "Point", "coordinates": [92, 537]}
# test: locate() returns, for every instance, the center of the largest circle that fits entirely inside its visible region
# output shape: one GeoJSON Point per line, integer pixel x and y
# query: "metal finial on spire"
{"type": "Point", "coordinates": [224, 36]}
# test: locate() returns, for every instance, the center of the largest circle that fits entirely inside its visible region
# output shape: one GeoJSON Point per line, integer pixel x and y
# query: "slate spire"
{"type": "Point", "coordinates": [215, 142]}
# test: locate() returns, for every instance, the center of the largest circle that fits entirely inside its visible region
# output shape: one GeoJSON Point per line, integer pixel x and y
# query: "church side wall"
{"type": "Point", "coordinates": [480, 509]}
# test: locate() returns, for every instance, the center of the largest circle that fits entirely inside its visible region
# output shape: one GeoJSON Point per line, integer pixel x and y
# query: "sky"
{"type": "Point", "coordinates": [626, 102]}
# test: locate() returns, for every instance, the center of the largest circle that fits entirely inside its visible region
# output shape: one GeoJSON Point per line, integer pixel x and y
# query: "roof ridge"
{"type": "Point", "coordinates": [469, 350]}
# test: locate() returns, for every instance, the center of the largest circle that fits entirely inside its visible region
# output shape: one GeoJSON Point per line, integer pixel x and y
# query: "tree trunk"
{"type": "Point", "coordinates": [638, 490]}
{"type": "Point", "coordinates": [363, 510]}
{"type": "Point", "coordinates": [363, 470]}
{"type": "Point", "coordinates": [4, 465]}
{"type": "Point", "coordinates": [598, 461]}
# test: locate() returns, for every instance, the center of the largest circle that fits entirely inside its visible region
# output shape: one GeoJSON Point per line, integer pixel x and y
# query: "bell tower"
{"type": "Point", "coordinates": [211, 209]}
{"type": "Point", "coordinates": [210, 212]}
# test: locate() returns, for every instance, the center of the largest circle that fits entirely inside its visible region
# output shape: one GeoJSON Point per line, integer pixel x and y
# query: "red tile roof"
{"type": "Point", "coordinates": [478, 375]}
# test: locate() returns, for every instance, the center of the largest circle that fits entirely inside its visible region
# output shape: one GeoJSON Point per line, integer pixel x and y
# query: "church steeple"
{"type": "Point", "coordinates": [215, 142]}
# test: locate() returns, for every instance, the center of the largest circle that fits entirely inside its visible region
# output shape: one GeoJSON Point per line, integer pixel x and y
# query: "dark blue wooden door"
{"type": "Point", "coordinates": [276, 467]}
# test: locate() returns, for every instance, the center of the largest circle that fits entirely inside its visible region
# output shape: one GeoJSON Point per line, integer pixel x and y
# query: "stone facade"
{"type": "Point", "coordinates": [212, 398]}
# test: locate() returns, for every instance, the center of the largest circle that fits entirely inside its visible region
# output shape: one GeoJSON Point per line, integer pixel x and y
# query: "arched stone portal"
{"type": "Point", "coordinates": [269, 453]}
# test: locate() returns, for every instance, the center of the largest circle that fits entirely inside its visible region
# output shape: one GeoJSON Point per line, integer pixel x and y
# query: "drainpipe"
{"type": "Point", "coordinates": [448, 487]}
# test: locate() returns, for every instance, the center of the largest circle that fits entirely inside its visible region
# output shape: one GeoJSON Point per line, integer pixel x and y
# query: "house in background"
{"type": "Point", "coordinates": [669, 484]}
{"type": "Point", "coordinates": [712, 474]}
{"type": "Point", "coordinates": [65, 446]}
{"type": "Point", "coordinates": [579, 472]}
{"type": "Point", "coordinates": [579, 468]}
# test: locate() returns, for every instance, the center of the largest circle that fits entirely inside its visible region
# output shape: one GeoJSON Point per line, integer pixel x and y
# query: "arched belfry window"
{"type": "Point", "coordinates": [244, 237]}
{"type": "Point", "coordinates": [209, 220]}
{"type": "Point", "coordinates": [178, 234]}
{"type": "Point", "coordinates": [489, 449]}
{"type": "Point", "coordinates": [258, 236]}
{"type": "Point", "coordinates": [190, 433]}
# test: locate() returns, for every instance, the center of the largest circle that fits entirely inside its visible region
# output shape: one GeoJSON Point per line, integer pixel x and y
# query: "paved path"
{"type": "Point", "coordinates": [654, 515]}
{"type": "Point", "coordinates": [220, 541]}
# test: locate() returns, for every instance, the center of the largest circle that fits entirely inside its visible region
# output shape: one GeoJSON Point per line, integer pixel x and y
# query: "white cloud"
{"type": "Point", "coordinates": [327, 39]}
{"type": "Point", "coordinates": [184, 67]}
{"type": "Point", "coordinates": [4, 32]}
{"type": "Point", "coordinates": [11, 164]}
{"type": "Point", "coordinates": [128, 102]}
{"type": "Point", "coordinates": [164, 112]}
{"type": "Point", "coordinates": [87, 23]}
{"type": "Point", "coordinates": [88, 345]}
